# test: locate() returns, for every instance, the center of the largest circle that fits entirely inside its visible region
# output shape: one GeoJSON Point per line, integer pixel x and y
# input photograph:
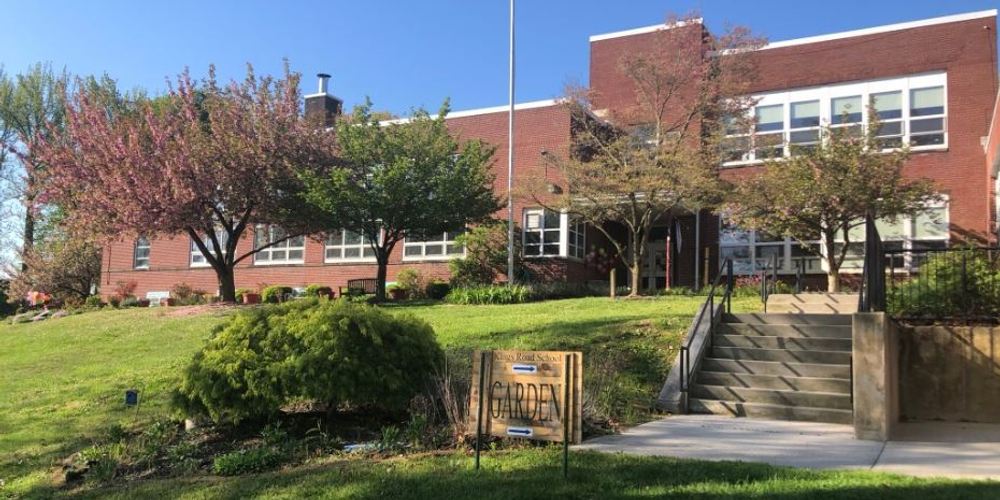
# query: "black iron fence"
{"type": "Point", "coordinates": [943, 283]}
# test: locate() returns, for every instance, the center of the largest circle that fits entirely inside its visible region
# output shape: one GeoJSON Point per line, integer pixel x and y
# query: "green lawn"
{"type": "Point", "coordinates": [62, 383]}
{"type": "Point", "coordinates": [535, 473]}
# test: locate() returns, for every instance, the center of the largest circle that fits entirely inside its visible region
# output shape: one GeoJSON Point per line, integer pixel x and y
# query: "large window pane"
{"type": "Point", "coordinates": [805, 114]}
{"type": "Point", "coordinates": [770, 118]}
{"type": "Point", "coordinates": [929, 101]}
{"type": "Point", "coordinates": [888, 105]}
{"type": "Point", "coordinates": [846, 109]}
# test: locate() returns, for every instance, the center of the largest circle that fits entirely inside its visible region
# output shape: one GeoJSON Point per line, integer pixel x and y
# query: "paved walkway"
{"type": "Point", "coordinates": [932, 449]}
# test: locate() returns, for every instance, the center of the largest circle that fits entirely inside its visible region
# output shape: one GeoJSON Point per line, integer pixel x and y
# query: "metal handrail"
{"type": "Point", "coordinates": [726, 301]}
{"type": "Point", "coordinates": [871, 295]}
{"type": "Point", "coordinates": [767, 283]}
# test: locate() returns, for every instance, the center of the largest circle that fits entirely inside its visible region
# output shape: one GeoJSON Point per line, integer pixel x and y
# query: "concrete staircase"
{"type": "Point", "coordinates": [813, 303]}
{"type": "Point", "coordinates": [791, 366]}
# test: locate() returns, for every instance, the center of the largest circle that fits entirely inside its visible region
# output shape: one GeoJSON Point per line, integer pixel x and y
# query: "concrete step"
{"type": "Point", "coordinates": [763, 410]}
{"type": "Point", "coordinates": [776, 382]}
{"type": "Point", "coordinates": [800, 331]}
{"type": "Point", "coordinates": [808, 308]}
{"type": "Point", "coordinates": [813, 298]}
{"type": "Point", "coordinates": [772, 396]}
{"type": "Point", "coordinates": [790, 343]}
{"type": "Point", "coordinates": [788, 319]}
{"type": "Point", "coordinates": [782, 355]}
{"type": "Point", "coordinates": [775, 368]}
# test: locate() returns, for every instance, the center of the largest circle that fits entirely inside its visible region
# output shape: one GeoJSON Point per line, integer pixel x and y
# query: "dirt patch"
{"type": "Point", "coordinates": [214, 309]}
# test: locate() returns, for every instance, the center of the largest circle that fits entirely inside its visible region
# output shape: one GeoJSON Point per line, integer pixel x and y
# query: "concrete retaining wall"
{"type": "Point", "coordinates": [950, 373]}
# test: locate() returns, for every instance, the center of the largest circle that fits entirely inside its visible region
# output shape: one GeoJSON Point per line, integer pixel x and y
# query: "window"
{"type": "Point", "coordinates": [804, 125]}
{"type": "Point", "coordinates": [289, 251]}
{"type": "Point", "coordinates": [577, 242]}
{"type": "Point", "coordinates": [442, 247]}
{"type": "Point", "coordinates": [927, 116]}
{"type": "Point", "coordinates": [769, 132]}
{"type": "Point", "coordinates": [553, 234]}
{"type": "Point", "coordinates": [888, 106]}
{"type": "Point", "coordinates": [911, 110]}
{"type": "Point", "coordinates": [542, 230]}
{"type": "Point", "coordinates": [846, 114]}
{"type": "Point", "coordinates": [197, 259]}
{"type": "Point", "coordinates": [348, 246]}
{"type": "Point", "coordinates": [140, 257]}
{"type": "Point", "coordinates": [752, 251]}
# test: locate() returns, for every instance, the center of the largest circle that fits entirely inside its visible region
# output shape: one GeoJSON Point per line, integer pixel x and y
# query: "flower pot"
{"type": "Point", "coordinates": [251, 298]}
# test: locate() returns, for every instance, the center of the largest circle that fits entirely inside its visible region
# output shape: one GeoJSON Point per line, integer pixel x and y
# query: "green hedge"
{"type": "Point", "coordinates": [328, 351]}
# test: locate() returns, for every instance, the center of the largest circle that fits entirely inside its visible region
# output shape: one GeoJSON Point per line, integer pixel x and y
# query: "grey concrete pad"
{"type": "Point", "coordinates": [925, 449]}
{"type": "Point", "coordinates": [777, 442]}
{"type": "Point", "coordinates": [956, 460]}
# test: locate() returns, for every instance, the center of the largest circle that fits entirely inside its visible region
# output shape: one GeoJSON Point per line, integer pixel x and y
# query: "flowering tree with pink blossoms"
{"type": "Point", "coordinates": [206, 160]}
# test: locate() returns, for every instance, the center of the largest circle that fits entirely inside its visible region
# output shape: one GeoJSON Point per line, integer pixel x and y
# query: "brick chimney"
{"type": "Point", "coordinates": [321, 107]}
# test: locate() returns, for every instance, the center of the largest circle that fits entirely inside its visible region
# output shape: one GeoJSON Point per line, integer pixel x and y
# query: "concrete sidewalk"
{"type": "Point", "coordinates": [931, 449]}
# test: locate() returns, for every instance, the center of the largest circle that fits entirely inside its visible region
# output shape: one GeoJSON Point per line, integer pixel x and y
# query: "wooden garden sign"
{"type": "Point", "coordinates": [528, 394]}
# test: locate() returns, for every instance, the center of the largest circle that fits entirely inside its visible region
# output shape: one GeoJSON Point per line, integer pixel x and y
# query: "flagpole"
{"type": "Point", "coordinates": [510, 153]}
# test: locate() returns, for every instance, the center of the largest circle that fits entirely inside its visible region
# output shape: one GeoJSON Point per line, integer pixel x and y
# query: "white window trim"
{"type": "Point", "coordinates": [564, 222]}
{"type": "Point", "coordinates": [431, 258]}
{"type": "Point", "coordinates": [341, 260]}
{"type": "Point", "coordinates": [865, 89]}
{"type": "Point", "coordinates": [284, 245]}
{"type": "Point", "coordinates": [195, 251]}
{"type": "Point", "coordinates": [135, 250]}
{"type": "Point", "coordinates": [787, 266]}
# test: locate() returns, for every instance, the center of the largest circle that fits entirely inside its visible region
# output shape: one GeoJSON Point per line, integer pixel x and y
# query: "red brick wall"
{"type": "Point", "coordinates": [966, 50]}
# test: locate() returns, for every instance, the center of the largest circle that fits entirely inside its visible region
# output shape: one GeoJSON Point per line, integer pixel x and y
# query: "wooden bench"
{"type": "Point", "coordinates": [358, 287]}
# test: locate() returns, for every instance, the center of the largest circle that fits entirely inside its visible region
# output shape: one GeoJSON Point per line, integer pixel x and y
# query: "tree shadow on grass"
{"type": "Point", "coordinates": [536, 474]}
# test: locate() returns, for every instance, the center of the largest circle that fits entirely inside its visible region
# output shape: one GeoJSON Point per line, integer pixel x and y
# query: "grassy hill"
{"type": "Point", "coordinates": [62, 383]}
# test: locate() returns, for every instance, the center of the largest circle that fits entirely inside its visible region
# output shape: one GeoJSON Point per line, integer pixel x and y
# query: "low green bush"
{"type": "Point", "coordinates": [492, 294]}
{"type": "Point", "coordinates": [413, 281]}
{"type": "Point", "coordinates": [316, 290]}
{"type": "Point", "coordinates": [247, 461]}
{"type": "Point", "coordinates": [130, 301]}
{"type": "Point", "coordinates": [94, 302]}
{"type": "Point", "coordinates": [437, 290]}
{"type": "Point", "coordinates": [328, 351]}
{"type": "Point", "coordinates": [275, 293]}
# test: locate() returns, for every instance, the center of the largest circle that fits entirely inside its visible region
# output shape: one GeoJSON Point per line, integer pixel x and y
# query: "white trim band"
{"type": "Point", "coordinates": [644, 30]}
{"type": "Point", "coordinates": [485, 111]}
{"type": "Point", "coordinates": [882, 29]}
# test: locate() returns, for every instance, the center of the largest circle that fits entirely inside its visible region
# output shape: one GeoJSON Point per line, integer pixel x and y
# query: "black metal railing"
{"type": "Point", "coordinates": [935, 284]}
{"type": "Point", "coordinates": [871, 294]}
{"type": "Point", "coordinates": [768, 279]}
{"type": "Point", "coordinates": [707, 314]}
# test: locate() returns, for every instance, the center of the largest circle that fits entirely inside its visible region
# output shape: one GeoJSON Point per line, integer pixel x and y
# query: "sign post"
{"type": "Point", "coordinates": [533, 395]}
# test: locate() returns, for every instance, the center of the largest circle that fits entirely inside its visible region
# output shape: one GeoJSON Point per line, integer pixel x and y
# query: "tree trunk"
{"type": "Point", "coordinates": [29, 233]}
{"type": "Point", "coordinates": [227, 283]}
{"type": "Point", "coordinates": [380, 277]}
{"type": "Point", "coordinates": [636, 272]}
{"type": "Point", "coordinates": [833, 281]}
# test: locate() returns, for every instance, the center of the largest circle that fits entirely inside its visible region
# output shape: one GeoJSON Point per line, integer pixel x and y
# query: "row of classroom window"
{"type": "Point", "coordinates": [545, 234]}
{"type": "Point", "coordinates": [753, 251]}
{"type": "Point", "coordinates": [910, 110]}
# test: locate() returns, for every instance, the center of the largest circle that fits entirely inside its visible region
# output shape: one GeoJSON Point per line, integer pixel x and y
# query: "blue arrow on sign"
{"type": "Point", "coordinates": [520, 431]}
{"type": "Point", "coordinates": [521, 368]}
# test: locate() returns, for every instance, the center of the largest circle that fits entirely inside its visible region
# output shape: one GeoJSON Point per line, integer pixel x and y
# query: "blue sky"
{"type": "Point", "coordinates": [401, 53]}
